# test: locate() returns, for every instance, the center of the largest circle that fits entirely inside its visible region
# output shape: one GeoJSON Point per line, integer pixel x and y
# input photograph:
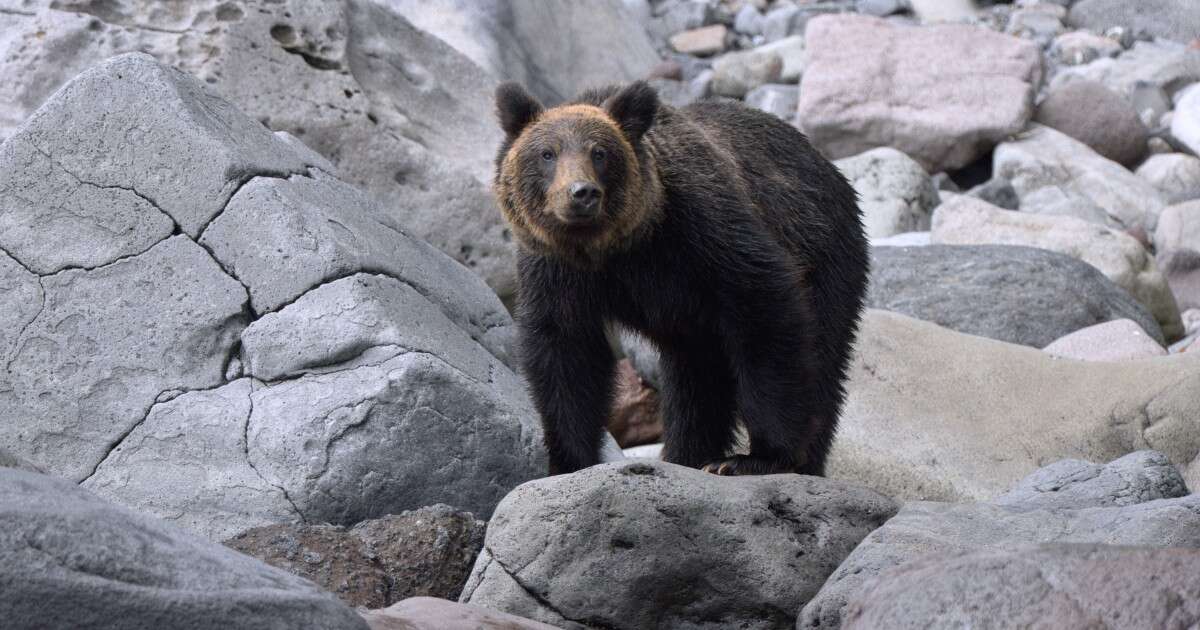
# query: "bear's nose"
{"type": "Point", "coordinates": [584, 197]}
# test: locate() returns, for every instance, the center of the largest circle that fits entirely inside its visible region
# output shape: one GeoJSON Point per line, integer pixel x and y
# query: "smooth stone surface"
{"type": "Point", "coordinates": [631, 545]}
{"type": "Point", "coordinates": [1182, 270]}
{"type": "Point", "coordinates": [1175, 175]}
{"type": "Point", "coordinates": [1072, 587]}
{"type": "Point", "coordinates": [895, 194]}
{"type": "Point", "coordinates": [964, 220]}
{"type": "Point", "coordinates": [904, 239]}
{"type": "Point", "coordinates": [430, 613]}
{"type": "Point", "coordinates": [1022, 295]}
{"type": "Point", "coordinates": [997, 191]}
{"type": "Point", "coordinates": [1179, 227]}
{"type": "Point", "coordinates": [1056, 174]}
{"type": "Point", "coordinates": [1168, 19]}
{"type": "Point", "coordinates": [942, 94]}
{"type": "Point", "coordinates": [1118, 340]}
{"type": "Point", "coordinates": [71, 560]}
{"type": "Point", "coordinates": [1165, 64]}
{"type": "Point", "coordinates": [1098, 117]}
{"type": "Point", "coordinates": [1185, 121]}
{"type": "Point", "coordinates": [737, 73]}
{"type": "Point", "coordinates": [923, 528]}
{"type": "Point", "coordinates": [776, 99]}
{"type": "Point", "coordinates": [703, 41]}
{"type": "Point", "coordinates": [934, 414]}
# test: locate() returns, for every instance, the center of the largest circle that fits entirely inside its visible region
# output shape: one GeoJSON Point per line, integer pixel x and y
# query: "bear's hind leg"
{"type": "Point", "coordinates": [698, 405]}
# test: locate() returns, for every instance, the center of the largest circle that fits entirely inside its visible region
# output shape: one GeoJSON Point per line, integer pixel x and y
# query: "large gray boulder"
{"type": "Point", "coordinates": [934, 414]}
{"type": "Point", "coordinates": [1138, 477]}
{"type": "Point", "coordinates": [290, 357]}
{"type": "Point", "coordinates": [1101, 512]}
{"type": "Point", "coordinates": [71, 560]}
{"type": "Point", "coordinates": [1056, 174]}
{"type": "Point", "coordinates": [1065, 586]}
{"type": "Point", "coordinates": [556, 49]}
{"type": "Point", "coordinates": [646, 544]}
{"type": "Point", "coordinates": [396, 110]}
{"type": "Point", "coordinates": [942, 94]}
{"type": "Point", "coordinates": [1168, 19]}
{"type": "Point", "coordinates": [1018, 294]}
{"type": "Point", "coordinates": [965, 220]}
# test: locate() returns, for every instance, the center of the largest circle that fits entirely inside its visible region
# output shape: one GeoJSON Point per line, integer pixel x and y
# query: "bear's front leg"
{"type": "Point", "coordinates": [570, 370]}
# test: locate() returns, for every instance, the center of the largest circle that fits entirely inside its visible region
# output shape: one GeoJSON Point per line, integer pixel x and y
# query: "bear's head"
{"type": "Point", "coordinates": [578, 181]}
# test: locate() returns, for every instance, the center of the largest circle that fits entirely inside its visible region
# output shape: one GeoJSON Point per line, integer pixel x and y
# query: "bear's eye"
{"type": "Point", "coordinates": [547, 155]}
{"type": "Point", "coordinates": [598, 154]}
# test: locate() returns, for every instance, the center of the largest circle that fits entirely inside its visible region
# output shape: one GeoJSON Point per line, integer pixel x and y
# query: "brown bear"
{"type": "Point", "coordinates": [714, 230]}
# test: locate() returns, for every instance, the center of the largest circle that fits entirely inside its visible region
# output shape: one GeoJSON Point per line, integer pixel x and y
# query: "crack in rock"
{"type": "Point", "coordinates": [250, 461]}
{"type": "Point", "coordinates": [542, 599]}
{"type": "Point", "coordinates": [16, 347]}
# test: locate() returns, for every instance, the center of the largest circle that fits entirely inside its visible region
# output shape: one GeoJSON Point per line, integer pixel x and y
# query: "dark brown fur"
{"type": "Point", "coordinates": [722, 236]}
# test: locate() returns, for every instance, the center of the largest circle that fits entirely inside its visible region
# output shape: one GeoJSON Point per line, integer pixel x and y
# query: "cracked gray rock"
{"type": "Point", "coordinates": [371, 375]}
{"type": "Point", "coordinates": [1072, 483]}
{"type": "Point", "coordinates": [1071, 587]}
{"type": "Point", "coordinates": [643, 544]}
{"type": "Point", "coordinates": [187, 463]}
{"type": "Point", "coordinates": [87, 368]}
{"type": "Point", "coordinates": [1094, 511]}
{"type": "Point", "coordinates": [407, 432]}
{"type": "Point", "coordinates": [283, 237]}
{"type": "Point", "coordinates": [69, 559]}
{"type": "Point", "coordinates": [394, 109]}
{"type": "Point", "coordinates": [939, 415]}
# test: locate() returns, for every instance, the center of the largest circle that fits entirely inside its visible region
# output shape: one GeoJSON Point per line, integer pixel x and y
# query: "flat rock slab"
{"type": "Point", "coordinates": [430, 613]}
{"type": "Point", "coordinates": [1118, 340]}
{"type": "Point", "coordinates": [644, 544]}
{"type": "Point", "coordinates": [924, 528]}
{"type": "Point", "coordinates": [965, 220]}
{"type": "Point", "coordinates": [1056, 174]}
{"type": "Point", "coordinates": [71, 560]}
{"type": "Point", "coordinates": [1072, 587]}
{"type": "Point", "coordinates": [1023, 295]}
{"type": "Point", "coordinates": [943, 94]}
{"type": "Point", "coordinates": [934, 414]}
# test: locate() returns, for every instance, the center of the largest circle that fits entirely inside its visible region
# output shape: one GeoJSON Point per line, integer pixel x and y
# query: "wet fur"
{"type": "Point", "coordinates": [732, 245]}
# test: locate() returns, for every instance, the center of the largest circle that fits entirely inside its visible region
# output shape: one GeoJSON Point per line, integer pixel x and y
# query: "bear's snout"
{"type": "Point", "coordinates": [585, 201]}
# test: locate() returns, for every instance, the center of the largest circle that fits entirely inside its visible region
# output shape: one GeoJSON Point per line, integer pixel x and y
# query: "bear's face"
{"type": "Point", "coordinates": [572, 180]}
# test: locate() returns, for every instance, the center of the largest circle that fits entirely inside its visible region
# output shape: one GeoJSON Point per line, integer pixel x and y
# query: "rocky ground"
{"type": "Point", "coordinates": [253, 293]}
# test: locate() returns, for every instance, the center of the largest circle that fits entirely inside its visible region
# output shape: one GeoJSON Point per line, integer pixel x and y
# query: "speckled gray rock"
{"type": "Point", "coordinates": [1098, 117]}
{"type": "Point", "coordinates": [429, 613]}
{"type": "Point", "coordinates": [1071, 587]}
{"type": "Point", "coordinates": [71, 560]}
{"type": "Point", "coordinates": [632, 545]}
{"type": "Point", "coordinates": [1175, 175]}
{"type": "Point", "coordinates": [1072, 484]}
{"type": "Point", "coordinates": [964, 220]}
{"type": "Point", "coordinates": [924, 528]}
{"type": "Point", "coordinates": [8, 460]}
{"type": "Point", "coordinates": [935, 414]}
{"type": "Point", "coordinates": [396, 110]}
{"type": "Point", "coordinates": [1056, 174]}
{"type": "Point", "coordinates": [895, 194]}
{"type": "Point", "coordinates": [1165, 64]}
{"type": "Point", "coordinates": [942, 94]}
{"type": "Point", "coordinates": [1179, 21]}
{"type": "Point", "coordinates": [1022, 295]}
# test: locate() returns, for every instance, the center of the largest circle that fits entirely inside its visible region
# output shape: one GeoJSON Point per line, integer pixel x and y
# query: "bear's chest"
{"type": "Point", "coordinates": [664, 297]}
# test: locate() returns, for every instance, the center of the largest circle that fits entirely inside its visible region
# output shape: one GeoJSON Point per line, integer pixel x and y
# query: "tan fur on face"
{"type": "Point", "coordinates": [642, 193]}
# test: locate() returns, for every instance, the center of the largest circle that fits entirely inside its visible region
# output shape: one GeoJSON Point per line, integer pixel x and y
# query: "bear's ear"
{"type": "Point", "coordinates": [634, 108]}
{"type": "Point", "coordinates": [515, 108]}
